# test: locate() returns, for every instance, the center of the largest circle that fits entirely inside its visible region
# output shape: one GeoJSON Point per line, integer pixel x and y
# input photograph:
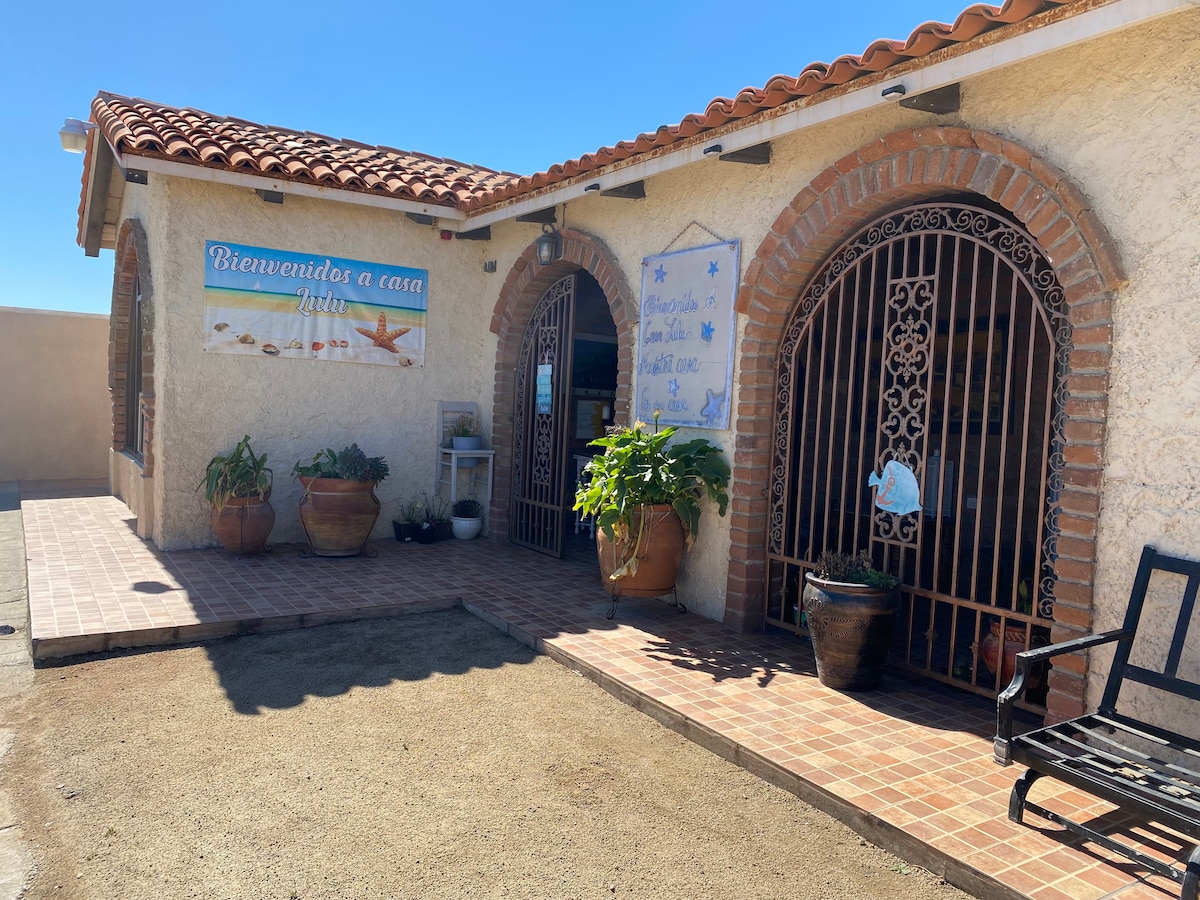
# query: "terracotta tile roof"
{"type": "Point", "coordinates": [146, 129]}
{"type": "Point", "coordinates": [141, 128]}
{"type": "Point", "coordinates": [816, 77]}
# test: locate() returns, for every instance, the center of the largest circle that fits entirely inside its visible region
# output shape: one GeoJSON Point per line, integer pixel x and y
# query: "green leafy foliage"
{"type": "Point", "coordinates": [238, 473]}
{"type": "Point", "coordinates": [464, 427]}
{"type": "Point", "coordinates": [467, 508]}
{"type": "Point", "coordinates": [852, 569]}
{"type": "Point", "coordinates": [641, 468]}
{"type": "Point", "coordinates": [351, 464]}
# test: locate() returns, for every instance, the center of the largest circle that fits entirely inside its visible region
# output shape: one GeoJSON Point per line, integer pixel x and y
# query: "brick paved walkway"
{"type": "Point", "coordinates": [909, 766]}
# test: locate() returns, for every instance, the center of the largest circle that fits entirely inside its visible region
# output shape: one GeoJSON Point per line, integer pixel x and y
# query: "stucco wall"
{"type": "Point", "coordinates": [292, 408]}
{"type": "Point", "coordinates": [1124, 125]}
{"type": "Point", "coordinates": [54, 405]}
{"type": "Point", "coordinates": [1120, 116]}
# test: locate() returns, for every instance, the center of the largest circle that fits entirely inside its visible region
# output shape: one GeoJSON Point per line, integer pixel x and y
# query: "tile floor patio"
{"type": "Point", "coordinates": [908, 766]}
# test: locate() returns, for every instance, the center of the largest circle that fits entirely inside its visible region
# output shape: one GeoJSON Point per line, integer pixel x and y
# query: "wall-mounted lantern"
{"type": "Point", "coordinates": [549, 246]}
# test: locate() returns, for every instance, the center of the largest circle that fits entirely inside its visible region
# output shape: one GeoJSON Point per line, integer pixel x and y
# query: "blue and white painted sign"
{"type": "Point", "coordinates": [686, 336]}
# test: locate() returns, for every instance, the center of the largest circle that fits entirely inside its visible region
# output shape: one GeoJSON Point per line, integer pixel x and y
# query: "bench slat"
{"type": "Point", "coordinates": [1083, 754]}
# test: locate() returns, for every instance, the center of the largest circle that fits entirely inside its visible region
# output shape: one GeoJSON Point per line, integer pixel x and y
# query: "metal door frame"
{"type": "Point", "coordinates": [537, 516]}
{"type": "Point", "coordinates": [902, 355]}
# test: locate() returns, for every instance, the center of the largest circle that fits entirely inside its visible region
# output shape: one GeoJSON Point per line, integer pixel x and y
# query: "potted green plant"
{"type": "Point", "coordinates": [463, 436]}
{"type": "Point", "coordinates": [850, 607]}
{"type": "Point", "coordinates": [338, 508]}
{"type": "Point", "coordinates": [407, 521]}
{"type": "Point", "coordinates": [644, 493]}
{"type": "Point", "coordinates": [238, 487]}
{"type": "Point", "coordinates": [466, 518]}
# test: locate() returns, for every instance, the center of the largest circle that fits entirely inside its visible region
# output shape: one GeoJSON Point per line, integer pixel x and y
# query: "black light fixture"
{"type": "Point", "coordinates": [549, 245]}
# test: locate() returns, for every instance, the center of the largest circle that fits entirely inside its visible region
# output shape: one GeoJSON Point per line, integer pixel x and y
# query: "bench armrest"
{"type": "Point", "coordinates": [1025, 660]}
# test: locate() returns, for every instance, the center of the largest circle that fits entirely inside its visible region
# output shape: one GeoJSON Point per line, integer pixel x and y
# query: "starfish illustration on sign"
{"type": "Point", "coordinates": [660, 274]}
{"type": "Point", "coordinates": [713, 406]}
{"type": "Point", "coordinates": [706, 331]}
{"type": "Point", "coordinates": [381, 336]}
{"type": "Point", "coordinates": [712, 269]}
{"type": "Point", "coordinates": [673, 387]}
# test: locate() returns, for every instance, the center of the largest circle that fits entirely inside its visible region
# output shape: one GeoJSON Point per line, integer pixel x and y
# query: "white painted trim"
{"type": "Point", "coordinates": [1067, 32]}
{"type": "Point", "coordinates": [446, 216]}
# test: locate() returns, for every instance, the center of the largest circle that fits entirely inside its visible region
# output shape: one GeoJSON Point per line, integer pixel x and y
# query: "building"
{"type": "Point", "coordinates": [974, 253]}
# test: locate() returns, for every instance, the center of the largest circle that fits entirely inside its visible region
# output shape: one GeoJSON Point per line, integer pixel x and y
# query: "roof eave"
{"type": "Point", "coordinates": [1052, 30]}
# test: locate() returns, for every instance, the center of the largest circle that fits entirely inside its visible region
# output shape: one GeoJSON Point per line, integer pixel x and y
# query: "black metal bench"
{"type": "Point", "coordinates": [1148, 771]}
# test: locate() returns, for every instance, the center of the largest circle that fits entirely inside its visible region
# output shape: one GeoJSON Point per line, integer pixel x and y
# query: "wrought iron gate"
{"type": "Point", "coordinates": [937, 337]}
{"type": "Point", "coordinates": [541, 415]}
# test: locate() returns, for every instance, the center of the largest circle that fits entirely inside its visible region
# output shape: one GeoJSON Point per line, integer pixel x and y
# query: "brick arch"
{"type": "Point", "coordinates": [132, 259]}
{"type": "Point", "coordinates": [889, 173]}
{"type": "Point", "coordinates": [525, 285]}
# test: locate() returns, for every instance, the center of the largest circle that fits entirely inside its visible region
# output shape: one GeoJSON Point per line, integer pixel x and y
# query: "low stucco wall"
{"type": "Point", "coordinates": [55, 404]}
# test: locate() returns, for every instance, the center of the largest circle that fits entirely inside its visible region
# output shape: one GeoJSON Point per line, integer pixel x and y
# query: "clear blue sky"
{"type": "Point", "coordinates": [510, 85]}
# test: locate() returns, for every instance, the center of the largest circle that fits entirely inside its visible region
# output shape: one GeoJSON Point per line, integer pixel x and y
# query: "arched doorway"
{"type": "Point", "coordinates": [565, 395]}
{"type": "Point", "coordinates": [936, 338]}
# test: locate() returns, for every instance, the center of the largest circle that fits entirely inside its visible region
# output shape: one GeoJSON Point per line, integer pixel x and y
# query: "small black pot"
{"type": "Point", "coordinates": [426, 533]}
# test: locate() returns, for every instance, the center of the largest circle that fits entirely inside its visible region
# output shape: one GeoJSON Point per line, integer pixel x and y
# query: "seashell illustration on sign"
{"type": "Point", "coordinates": [899, 491]}
{"type": "Point", "coordinates": [270, 349]}
{"type": "Point", "coordinates": [245, 339]}
{"type": "Point", "coordinates": [221, 326]}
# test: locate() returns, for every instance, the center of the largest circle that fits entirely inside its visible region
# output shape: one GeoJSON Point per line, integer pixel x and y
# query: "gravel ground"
{"type": "Point", "coordinates": [420, 757]}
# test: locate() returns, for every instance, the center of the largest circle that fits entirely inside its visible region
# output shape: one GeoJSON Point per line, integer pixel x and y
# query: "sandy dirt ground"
{"type": "Point", "coordinates": [427, 756]}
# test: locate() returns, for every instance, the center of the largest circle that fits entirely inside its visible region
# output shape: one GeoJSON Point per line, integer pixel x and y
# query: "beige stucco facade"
{"type": "Point", "coordinates": [54, 407]}
{"type": "Point", "coordinates": [1119, 115]}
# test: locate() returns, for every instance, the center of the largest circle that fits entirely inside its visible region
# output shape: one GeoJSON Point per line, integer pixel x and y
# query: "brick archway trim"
{"type": "Point", "coordinates": [905, 167]}
{"type": "Point", "coordinates": [525, 285]}
{"type": "Point", "coordinates": [132, 259]}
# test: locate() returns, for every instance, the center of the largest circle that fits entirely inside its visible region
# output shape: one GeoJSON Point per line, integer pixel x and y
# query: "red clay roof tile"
{"type": "Point", "coordinates": [140, 128]}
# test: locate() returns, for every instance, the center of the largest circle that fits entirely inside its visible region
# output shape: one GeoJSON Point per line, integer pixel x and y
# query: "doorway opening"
{"type": "Point", "coordinates": [566, 390]}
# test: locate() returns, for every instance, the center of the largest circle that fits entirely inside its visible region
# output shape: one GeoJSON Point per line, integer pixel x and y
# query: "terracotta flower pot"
{"type": "Point", "coordinates": [243, 524]}
{"type": "Point", "coordinates": [337, 514]}
{"type": "Point", "coordinates": [659, 554]}
{"type": "Point", "coordinates": [1014, 643]}
{"type": "Point", "coordinates": [851, 628]}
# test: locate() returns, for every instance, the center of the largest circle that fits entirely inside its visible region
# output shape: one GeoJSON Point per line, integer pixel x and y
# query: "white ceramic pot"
{"type": "Point", "coordinates": [465, 529]}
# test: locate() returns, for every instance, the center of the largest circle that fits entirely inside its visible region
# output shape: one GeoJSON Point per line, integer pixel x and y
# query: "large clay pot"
{"type": "Point", "coordinates": [659, 553]}
{"type": "Point", "coordinates": [243, 524]}
{"type": "Point", "coordinates": [1014, 643]}
{"type": "Point", "coordinates": [337, 514]}
{"type": "Point", "coordinates": [851, 629]}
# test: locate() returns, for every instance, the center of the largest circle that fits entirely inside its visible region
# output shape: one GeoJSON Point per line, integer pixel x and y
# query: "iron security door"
{"type": "Point", "coordinates": [936, 338]}
{"type": "Point", "coordinates": [540, 475]}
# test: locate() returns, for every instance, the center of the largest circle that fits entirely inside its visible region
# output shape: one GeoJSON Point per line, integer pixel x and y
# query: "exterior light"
{"type": "Point", "coordinates": [73, 135]}
{"type": "Point", "coordinates": [549, 246]}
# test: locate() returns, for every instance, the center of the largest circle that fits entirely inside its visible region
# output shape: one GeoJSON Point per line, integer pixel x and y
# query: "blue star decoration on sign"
{"type": "Point", "coordinates": [712, 269]}
{"type": "Point", "coordinates": [660, 274]}
{"type": "Point", "coordinates": [712, 406]}
{"type": "Point", "coordinates": [673, 387]}
{"type": "Point", "coordinates": [706, 331]}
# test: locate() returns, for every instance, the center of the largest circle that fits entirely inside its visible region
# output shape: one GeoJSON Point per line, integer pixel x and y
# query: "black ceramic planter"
{"type": "Point", "coordinates": [851, 629]}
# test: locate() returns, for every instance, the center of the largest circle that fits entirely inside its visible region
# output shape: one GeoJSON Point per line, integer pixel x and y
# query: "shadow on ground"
{"type": "Point", "coordinates": [277, 671]}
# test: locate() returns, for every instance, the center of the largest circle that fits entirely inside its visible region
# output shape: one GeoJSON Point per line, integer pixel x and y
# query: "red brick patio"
{"type": "Point", "coordinates": [908, 766]}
